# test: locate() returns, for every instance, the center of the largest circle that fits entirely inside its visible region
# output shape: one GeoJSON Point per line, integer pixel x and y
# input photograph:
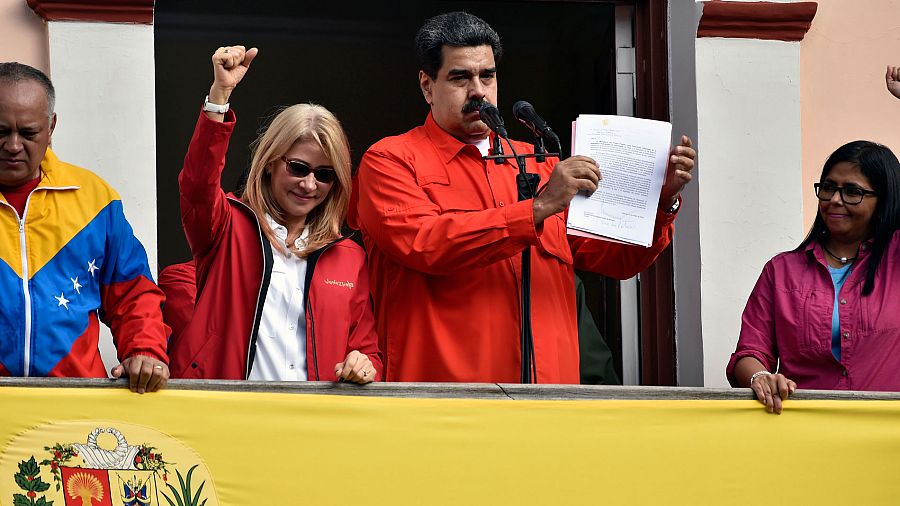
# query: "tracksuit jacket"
{"type": "Point", "coordinates": [233, 260]}
{"type": "Point", "coordinates": [69, 263]}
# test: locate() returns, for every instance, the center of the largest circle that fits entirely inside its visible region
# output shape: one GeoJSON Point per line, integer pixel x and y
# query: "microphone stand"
{"type": "Point", "coordinates": [539, 150]}
{"type": "Point", "coordinates": [526, 184]}
{"type": "Point", "coordinates": [496, 152]}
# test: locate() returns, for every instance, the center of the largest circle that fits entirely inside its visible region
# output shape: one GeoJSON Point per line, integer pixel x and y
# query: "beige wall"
{"type": "Point", "coordinates": [23, 35]}
{"type": "Point", "coordinates": [843, 95]}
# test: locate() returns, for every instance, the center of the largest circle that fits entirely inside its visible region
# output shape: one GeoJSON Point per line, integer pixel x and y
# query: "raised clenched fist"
{"type": "Point", "coordinates": [230, 64]}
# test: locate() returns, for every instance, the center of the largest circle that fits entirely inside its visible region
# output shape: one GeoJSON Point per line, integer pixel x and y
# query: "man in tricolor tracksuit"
{"type": "Point", "coordinates": [68, 257]}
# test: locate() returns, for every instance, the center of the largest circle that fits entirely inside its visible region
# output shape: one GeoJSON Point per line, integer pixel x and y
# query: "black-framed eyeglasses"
{"type": "Point", "coordinates": [299, 168]}
{"type": "Point", "coordinates": [851, 195]}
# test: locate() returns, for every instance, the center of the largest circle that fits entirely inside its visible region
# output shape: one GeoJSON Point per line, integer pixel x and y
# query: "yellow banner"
{"type": "Point", "coordinates": [95, 447]}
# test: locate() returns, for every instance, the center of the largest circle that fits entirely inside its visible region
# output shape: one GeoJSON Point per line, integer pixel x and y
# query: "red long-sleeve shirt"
{"type": "Point", "coordinates": [445, 232]}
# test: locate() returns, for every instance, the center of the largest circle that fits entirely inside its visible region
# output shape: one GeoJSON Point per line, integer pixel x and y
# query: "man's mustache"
{"type": "Point", "coordinates": [473, 105]}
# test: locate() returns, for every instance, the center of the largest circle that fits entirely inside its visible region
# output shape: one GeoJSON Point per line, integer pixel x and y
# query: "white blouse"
{"type": "Point", "coordinates": [281, 342]}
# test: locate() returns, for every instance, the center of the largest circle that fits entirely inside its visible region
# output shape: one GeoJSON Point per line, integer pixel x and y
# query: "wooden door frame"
{"type": "Point", "coordinates": [657, 287]}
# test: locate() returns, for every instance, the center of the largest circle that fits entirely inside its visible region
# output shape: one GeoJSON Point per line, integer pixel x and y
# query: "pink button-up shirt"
{"type": "Point", "coordinates": [787, 322]}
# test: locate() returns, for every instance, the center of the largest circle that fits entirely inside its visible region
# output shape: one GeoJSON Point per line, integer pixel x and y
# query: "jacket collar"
{"type": "Point", "coordinates": [447, 146]}
{"type": "Point", "coordinates": [52, 177]}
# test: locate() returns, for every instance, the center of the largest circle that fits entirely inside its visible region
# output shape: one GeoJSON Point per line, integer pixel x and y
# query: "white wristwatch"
{"type": "Point", "coordinates": [211, 107]}
{"type": "Point", "coordinates": [674, 208]}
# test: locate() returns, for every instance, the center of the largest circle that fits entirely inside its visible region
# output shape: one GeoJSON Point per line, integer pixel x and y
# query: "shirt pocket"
{"type": "Point", "coordinates": [803, 321]}
{"type": "Point", "coordinates": [453, 200]}
{"type": "Point", "coordinates": [879, 311]}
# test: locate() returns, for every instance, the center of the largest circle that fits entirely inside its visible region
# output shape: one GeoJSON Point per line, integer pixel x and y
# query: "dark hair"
{"type": "Point", "coordinates": [15, 72]}
{"type": "Point", "coordinates": [456, 29]}
{"type": "Point", "coordinates": [881, 168]}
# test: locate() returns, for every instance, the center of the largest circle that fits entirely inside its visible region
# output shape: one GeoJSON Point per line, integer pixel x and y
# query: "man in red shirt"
{"type": "Point", "coordinates": [445, 232]}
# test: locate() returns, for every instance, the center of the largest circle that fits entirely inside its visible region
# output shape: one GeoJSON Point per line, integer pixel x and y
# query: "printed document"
{"type": "Point", "coordinates": [633, 156]}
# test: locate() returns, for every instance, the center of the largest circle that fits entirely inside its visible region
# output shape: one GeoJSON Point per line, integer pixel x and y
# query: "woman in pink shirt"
{"type": "Point", "coordinates": [827, 314]}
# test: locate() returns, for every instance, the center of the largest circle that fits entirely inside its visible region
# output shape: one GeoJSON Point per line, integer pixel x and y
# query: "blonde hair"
{"type": "Point", "coordinates": [301, 122]}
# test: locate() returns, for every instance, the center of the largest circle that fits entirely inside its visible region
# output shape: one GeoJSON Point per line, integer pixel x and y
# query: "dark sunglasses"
{"type": "Point", "coordinates": [298, 168]}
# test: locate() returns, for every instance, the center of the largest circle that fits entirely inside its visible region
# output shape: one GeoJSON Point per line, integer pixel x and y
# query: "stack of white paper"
{"type": "Point", "coordinates": [633, 155]}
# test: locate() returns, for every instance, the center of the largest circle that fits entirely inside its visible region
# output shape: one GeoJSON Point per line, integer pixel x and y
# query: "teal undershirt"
{"type": "Point", "coordinates": [838, 276]}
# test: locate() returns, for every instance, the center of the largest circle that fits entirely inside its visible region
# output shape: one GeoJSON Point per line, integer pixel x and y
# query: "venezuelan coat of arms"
{"type": "Point", "coordinates": [105, 469]}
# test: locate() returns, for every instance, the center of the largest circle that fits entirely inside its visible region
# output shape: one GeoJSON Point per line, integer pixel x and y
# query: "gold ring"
{"type": "Point", "coordinates": [157, 367]}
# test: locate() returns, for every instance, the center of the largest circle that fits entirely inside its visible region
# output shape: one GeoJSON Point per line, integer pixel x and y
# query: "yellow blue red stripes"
{"type": "Point", "coordinates": [77, 242]}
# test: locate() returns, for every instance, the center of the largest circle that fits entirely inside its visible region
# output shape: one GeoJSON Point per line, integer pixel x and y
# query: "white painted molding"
{"type": "Point", "coordinates": [748, 110]}
{"type": "Point", "coordinates": [106, 107]}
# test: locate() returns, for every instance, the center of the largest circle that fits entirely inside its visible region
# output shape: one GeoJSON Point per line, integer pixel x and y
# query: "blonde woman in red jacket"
{"type": "Point", "coordinates": [281, 294]}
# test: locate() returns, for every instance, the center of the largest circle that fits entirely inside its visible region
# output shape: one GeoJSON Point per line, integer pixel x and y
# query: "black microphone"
{"type": "Point", "coordinates": [525, 113]}
{"type": "Point", "coordinates": [490, 115]}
